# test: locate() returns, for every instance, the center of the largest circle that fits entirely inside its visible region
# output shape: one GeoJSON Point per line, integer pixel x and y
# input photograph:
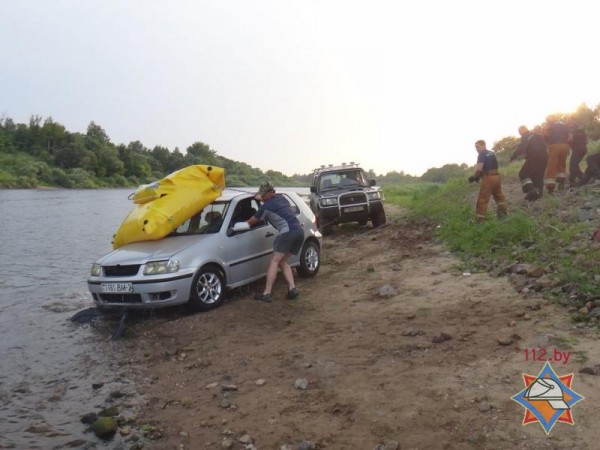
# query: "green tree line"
{"type": "Point", "coordinates": [44, 153]}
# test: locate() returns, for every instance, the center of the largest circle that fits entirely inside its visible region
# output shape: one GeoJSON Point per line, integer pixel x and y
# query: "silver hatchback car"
{"type": "Point", "coordinates": [211, 252]}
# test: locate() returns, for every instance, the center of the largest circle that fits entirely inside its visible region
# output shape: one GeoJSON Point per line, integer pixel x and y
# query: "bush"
{"type": "Point", "coordinates": [81, 179]}
{"type": "Point", "coordinates": [60, 178]}
{"type": "Point", "coordinates": [25, 181]}
{"type": "Point", "coordinates": [118, 181]}
{"type": "Point", "coordinates": [7, 180]}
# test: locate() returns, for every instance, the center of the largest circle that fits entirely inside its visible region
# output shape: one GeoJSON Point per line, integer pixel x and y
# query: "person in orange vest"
{"type": "Point", "coordinates": [491, 186]}
{"type": "Point", "coordinates": [558, 136]}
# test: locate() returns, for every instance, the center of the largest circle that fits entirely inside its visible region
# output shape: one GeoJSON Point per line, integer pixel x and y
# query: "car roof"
{"type": "Point", "coordinates": [229, 194]}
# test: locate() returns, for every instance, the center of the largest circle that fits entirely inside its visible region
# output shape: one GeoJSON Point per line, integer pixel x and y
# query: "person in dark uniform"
{"type": "Point", "coordinates": [592, 171]}
{"type": "Point", "coordinates": [578, 151]}
{"type": "Point", "coordinates": [531, 175]}
{"type": "Point", "coordinates": [277, 211]}
{"type": "Point", "coordinates": [491, 186]}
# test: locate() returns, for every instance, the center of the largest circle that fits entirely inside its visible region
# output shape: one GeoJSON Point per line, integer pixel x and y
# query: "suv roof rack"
{"type": "Point", "coordinates": [350, 165]}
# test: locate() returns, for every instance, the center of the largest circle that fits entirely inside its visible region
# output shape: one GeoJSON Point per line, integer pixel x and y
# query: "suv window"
{"type": "Point", "coordinates": [343, 179]}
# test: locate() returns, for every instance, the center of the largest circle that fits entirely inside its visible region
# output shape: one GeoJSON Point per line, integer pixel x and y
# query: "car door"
{"type": "Point", "coordinates": [248, 252]}
{"type": "Point", "coordinates": [294, 258]}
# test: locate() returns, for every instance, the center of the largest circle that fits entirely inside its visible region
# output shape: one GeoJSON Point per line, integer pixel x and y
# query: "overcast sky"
{"type": "Point", "coordinates": [290, 85]}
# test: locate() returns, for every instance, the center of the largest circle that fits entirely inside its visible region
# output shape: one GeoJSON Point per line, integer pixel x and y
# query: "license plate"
{"type": "Point", "coordinates": [117, 288]}
{"type": "Point", "coordinates": [354, 208]}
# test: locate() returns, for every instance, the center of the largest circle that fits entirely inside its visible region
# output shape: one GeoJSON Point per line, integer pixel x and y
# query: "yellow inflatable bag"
{"type": "Point", "coordinates": [160, 207]}
{"type": "Point", "coordinates": [145, 193]}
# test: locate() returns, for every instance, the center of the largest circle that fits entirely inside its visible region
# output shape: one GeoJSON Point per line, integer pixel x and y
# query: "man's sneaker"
{"type": "Point", "coordinates": [292, 294]}
{"type": "Point", "coordinates": [267, 298]}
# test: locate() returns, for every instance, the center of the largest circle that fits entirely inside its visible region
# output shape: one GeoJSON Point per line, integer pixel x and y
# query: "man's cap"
{"type": "Point", "coordinates": [549, 390]}
{"type": "Point", "coordinates": [265, 187]}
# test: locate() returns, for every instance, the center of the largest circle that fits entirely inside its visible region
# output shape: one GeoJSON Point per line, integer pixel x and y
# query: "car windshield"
{"type": "Point", "coordinates": [341, 180]}
{"type": "Point", "coordinates": [207, 221]}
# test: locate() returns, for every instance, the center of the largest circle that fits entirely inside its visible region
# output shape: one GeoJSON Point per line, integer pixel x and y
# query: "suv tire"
{"type": "Point", "coordinates": [324, 227]}
{"type": "Point", "coordinates": [378, 218]}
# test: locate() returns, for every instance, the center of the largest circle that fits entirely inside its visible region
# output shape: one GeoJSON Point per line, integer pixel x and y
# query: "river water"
{"type": "Point", "coordinates": [50, 238]}
{"type": "Point", "coordinates": [52, 370]}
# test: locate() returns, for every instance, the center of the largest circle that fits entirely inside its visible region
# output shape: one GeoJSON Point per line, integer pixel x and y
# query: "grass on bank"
{"type": "Point", "coordinates": [531, 234]}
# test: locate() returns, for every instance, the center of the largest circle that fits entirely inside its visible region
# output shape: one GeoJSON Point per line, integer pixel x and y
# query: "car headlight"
{"type": "Point", "coordinates": [330, 201]}
{"type": "Point", "coordinates": [96, 270]}
{"type": "Point", "coordinates": [160, 267]}
{"type": "Point", "coordinates": [374, 195]}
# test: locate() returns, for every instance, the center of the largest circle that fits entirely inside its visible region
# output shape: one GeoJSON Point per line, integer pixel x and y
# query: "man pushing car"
{"type": "Point", "coordinates": [276, 210]}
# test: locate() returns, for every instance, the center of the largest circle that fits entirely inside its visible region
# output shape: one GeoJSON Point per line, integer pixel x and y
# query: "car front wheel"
{"type": "Point", "coordinates": [310, 259]}
{"type": "Point", "coordinates": [208, 289]}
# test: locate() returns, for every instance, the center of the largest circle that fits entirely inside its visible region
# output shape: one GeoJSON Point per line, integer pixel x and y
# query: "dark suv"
{"type": "Point", "coordinates": [340, 194]}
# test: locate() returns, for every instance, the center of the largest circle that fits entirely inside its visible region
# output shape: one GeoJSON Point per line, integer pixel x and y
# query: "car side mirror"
{"type": "Point", "coordinates": [313, 189]}
{"type": "Point", "coordinates": [240, 226]}
{"type": "Point", "coordinates": [372, 182]}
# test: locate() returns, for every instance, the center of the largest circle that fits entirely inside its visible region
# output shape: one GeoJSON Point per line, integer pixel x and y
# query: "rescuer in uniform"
{"type": "Point", "coordinates": [487, 170]}
{"type": "Point", "coordinates": [531, 175]}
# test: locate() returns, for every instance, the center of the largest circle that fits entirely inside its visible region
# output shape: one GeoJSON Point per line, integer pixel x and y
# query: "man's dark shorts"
{"type": "Point", "coordinates": [290, 242]}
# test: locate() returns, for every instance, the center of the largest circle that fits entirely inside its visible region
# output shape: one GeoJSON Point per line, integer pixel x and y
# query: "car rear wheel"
{"type": "Point", "coordinates": [208, 289]}
{"type": "Point", "coordinates": [310, 259]}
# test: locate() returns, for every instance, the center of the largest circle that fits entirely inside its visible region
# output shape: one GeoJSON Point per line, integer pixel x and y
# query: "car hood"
{"type": "Point", "coordinates": [141, 252]}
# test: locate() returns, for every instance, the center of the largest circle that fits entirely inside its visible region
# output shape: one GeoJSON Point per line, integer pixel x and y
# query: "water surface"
{"type": "Point", "coordinates": [49, 239]}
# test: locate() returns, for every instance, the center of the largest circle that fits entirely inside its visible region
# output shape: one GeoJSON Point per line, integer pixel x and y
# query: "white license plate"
{"type": "Point", "coordinates": [117, 288]}
{"type": "Point", "coordinates": [354, 208]}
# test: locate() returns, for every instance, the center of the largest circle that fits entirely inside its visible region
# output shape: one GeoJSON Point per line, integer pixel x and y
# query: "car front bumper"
{"type": "Point", "coordinates": [145, 294]}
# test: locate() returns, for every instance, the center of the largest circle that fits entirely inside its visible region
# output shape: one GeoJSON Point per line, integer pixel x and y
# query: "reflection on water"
{"type": "Point", "coordinates": [53, 371]}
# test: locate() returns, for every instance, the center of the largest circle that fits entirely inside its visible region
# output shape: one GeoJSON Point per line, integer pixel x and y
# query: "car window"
{"type": "Point", "coordinates": [245, 209]}
{"type": "Point", "coordinates": [207, 221]}
{"type": "Point", "coordinates": [292, 204]}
